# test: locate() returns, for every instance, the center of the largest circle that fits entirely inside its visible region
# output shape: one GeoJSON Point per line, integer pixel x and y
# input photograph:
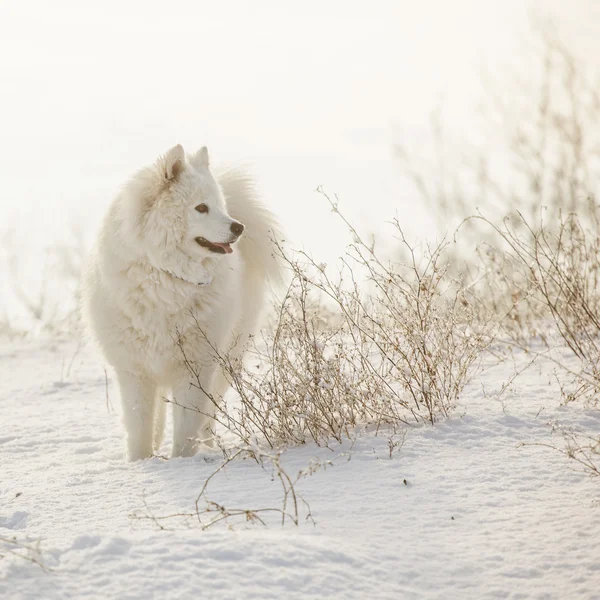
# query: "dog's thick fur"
{"type": "Point", "coordinates": [149, 283]}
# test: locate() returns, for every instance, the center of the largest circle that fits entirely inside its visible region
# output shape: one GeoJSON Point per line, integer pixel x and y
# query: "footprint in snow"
{"type": "Point", "coordinates": [17, 520]}
{"type": "Point", "coordinates": [83, 542]}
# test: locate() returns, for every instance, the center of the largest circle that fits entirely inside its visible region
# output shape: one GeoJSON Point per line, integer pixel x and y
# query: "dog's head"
{"type": "Point", "coordinates": [177, 211]}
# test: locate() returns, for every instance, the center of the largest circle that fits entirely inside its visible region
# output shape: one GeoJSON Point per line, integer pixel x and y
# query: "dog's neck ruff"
{"type": "Point", "coordinates": [201, 283]}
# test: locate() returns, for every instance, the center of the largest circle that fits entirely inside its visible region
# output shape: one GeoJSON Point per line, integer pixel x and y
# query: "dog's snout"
{"type": "Point", "coordinates": [237, 228]}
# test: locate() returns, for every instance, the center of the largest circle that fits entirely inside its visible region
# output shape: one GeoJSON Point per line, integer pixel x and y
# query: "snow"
{"type": "Point", "coordinates": [459, 510]}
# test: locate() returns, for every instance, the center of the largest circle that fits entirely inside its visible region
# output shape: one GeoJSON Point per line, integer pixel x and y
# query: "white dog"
{"type": "Point", "coordinates": [180, 256]}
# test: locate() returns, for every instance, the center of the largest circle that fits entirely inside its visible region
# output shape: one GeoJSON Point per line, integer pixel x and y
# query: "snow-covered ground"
{"type": "Point", "coordinates": [461, 510]}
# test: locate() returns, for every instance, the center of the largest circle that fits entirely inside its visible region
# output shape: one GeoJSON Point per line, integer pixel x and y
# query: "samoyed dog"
{"type": "Point", "coordinates": [181, 267]}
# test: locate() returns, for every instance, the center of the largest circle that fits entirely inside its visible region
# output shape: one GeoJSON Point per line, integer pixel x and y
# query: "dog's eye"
{"type": "Point", "coordinates": [202, 208]}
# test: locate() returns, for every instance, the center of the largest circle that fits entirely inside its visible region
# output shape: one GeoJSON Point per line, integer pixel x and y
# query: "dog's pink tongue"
{"type": "Point", "coordinates": [227, 247]}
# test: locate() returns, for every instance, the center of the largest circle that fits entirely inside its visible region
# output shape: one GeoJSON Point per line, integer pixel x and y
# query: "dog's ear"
{"type": "Point", "coordinates": [200, 159]}
{"type": "Point", "coordinates": [171, 165]}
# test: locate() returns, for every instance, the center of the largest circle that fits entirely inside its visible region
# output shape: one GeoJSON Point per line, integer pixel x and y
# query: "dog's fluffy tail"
{"type": "Point", "coordinates": [262, 231]}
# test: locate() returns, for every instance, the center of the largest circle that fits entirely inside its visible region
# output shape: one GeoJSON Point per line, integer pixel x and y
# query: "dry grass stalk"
{"type": "Point", "coordinates": [582, 448]}
{"type": "Point", "coordinates": [13, 547]}
{"type": "Point", "coordinates": [208, 512]}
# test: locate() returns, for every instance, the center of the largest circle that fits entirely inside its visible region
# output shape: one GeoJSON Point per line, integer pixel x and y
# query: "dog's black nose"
{"type": "Point", "coordinates": [237, 228]}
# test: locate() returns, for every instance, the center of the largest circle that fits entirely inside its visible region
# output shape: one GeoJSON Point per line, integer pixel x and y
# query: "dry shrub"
{"type": "Point", "coordinates": [534, 144]}
{"type": "Point", "coordinates": [533, 259]}
{"type": "Point", "coordinates": [397, 346]}
{"type": "Point", "coordinates": [556, 270]}
{"type": "Point", "coordinates": [41, 298]}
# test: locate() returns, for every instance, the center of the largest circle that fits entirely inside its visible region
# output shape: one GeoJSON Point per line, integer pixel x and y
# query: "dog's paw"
{"type": "Point", "coordinates": [137, 450]}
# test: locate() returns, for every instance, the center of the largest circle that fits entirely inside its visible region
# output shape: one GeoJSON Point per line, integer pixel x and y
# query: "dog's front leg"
{"type": "Point", "coordinates": [192, 417]}
{"type": "Point", "coordinates": [138, 402]}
